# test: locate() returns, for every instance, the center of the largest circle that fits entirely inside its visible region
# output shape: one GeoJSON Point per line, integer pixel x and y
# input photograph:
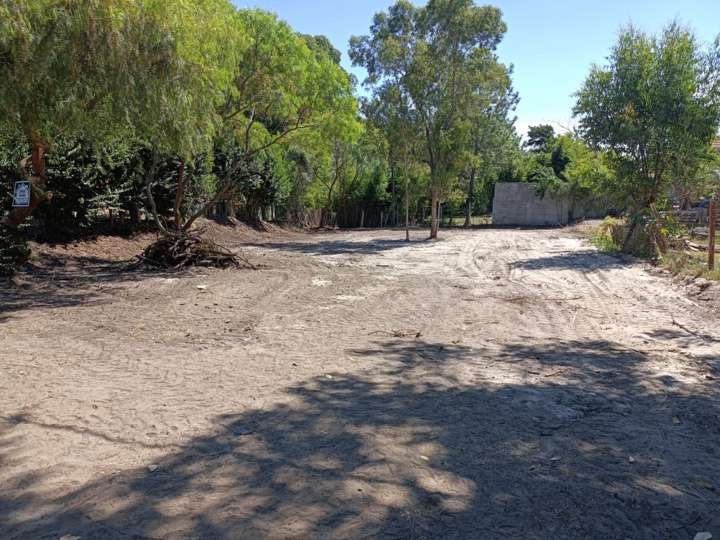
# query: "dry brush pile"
{"type": "Point", "coordinates": [184, 250]}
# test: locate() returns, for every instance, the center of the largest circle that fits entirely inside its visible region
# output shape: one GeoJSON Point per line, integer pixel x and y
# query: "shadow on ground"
{"type": "Point", "coordinates": [683, 337]}
{"type": "Point", "coordinates": [340, 247]}
{"type": "Point", "coordinates": [423, 444]}
{"type": "Point", "coordinates": [55, 282]}
{"type": "Point", "coordinates": [583, 261]}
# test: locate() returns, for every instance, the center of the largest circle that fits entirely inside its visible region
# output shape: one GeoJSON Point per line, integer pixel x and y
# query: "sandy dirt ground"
{"type": "Point", "coordinates": [492, 384]}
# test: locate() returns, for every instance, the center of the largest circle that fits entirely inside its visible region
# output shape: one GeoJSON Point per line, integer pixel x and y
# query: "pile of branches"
{"type": "Point", "coordinates": [183, 250]}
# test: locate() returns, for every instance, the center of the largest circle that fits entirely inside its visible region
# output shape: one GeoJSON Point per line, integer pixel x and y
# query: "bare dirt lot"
{"type": "Point", "coordinates": [493, 384]}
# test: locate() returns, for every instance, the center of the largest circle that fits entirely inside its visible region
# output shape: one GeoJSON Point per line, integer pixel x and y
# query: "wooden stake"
{"type": "Point", "coordinates": [712, 222]}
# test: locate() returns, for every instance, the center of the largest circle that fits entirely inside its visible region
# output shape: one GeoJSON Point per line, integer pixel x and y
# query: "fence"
{"type": "Point", "coordinates": [696, 219]}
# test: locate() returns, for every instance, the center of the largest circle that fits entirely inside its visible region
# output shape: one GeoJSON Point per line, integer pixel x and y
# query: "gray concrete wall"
{"type": "Point", "coordinates": [516, 203]}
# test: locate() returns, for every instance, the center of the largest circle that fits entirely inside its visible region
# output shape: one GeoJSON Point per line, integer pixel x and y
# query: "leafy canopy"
{"type": "Point", "coordinates": [655, 106]}
{"type": "Point", "coordinates": [435, 62]}
{"type": "Point", "coordinates": [281, 86]}
{"type": "Point", "coordinates": [152, 69]}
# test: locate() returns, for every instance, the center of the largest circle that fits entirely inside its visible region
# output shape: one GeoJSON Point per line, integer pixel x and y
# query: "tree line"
{"type": "Point", "coordinates": [170, 109]}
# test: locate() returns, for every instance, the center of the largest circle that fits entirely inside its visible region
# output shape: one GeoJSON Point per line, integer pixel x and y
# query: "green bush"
{"type": "Point", "coordinates": [609, 235]}
{"type": "Point", "coordinates": [14, 251]}
{"type": "Point", "coordinates": [650, 238]}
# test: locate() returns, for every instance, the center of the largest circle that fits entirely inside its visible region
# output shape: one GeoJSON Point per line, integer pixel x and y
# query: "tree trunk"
{"type": "Point", "coordinates": [628, 237]}
{"type": "Point", "coordinates": [470, 197]}
{"type": "Point", "coordinates": [434, 203]}
{"type": "Point", "coordinates": [37, 179]}
{"type": "Point", "coordinates": [149, 177]}
{"type": "Point", "coordinates": [326, 213]}
{"type": "Point", "coordinates": [394, 198]}
{"type": "Point", "coordinates": [407, 210]}
{"type": "Point", "coordinates": [650, 201]}
{"type": "Point", "coordinates": [134, 212]}
{"type": "Point", "coordinates": [179, 196]}
{"type": "Point", "coordinates": [712, 223]}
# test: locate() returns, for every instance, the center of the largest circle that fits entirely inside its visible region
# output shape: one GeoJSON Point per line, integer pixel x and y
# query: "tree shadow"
{"type": "Point", "coordinates": [683, 337]}
{"type": "Point", "coordinates": [427, 442]}
{"type": "Point", "coordinates": [25, 418]}
{"type": "Point", "coordinates": [712, 366]}
{"type": "Point", "coordinates": [585, 261]}
{"type": "Point", "coordinates": [339, 247]}
{"type": "Point", "coordinates": [57, 282]}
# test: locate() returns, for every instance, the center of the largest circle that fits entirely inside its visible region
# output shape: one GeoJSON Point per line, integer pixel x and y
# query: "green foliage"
{"type": "Point", "coordinates": [322, 47]}
{"type": "Point", "coordinates": [696, 179]}
{"type": "Point", "coordinates": [651, 237]}
{"type": "Point", "coordinates": [255, 182]}
{"type": "Point", "coordinates": [540, 138]}
{"type": "Point", "coordinates": [282, 87]}
{"type": "Point", "coordinates": [173, 80]}
{"type": "Point", "coordinates": [123, 95]}
{"type": "Point", "coordinates": [85, 181]}
{"type": "Point", "coordinates": [655, 107]}
{"type": "Point", "coordinates": [433, 69]}
{"type": "Point", "coordinates": [108, 67]}
{"type": "Point", "coordinates": [608, 236]}
{"type": "Point", "coordinates": [565, 166]}
{"type": "Point", "coordinates": [12, 150]}
{"type": "Point", "coordinates": [14, 251]}
{"type": "Point", "coordinates": [298, 172]}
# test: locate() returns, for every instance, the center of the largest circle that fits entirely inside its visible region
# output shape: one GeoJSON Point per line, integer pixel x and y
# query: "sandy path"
{"type": "Point", "coordinates": [552, 392]}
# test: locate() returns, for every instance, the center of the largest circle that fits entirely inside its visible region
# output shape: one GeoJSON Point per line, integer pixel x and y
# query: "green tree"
{"type": "Point", "coordinates": [492, 142]}
{"type": "Point", "coordinates": [390, 111]}
{"type": "Point", "coordinates": [280, 90]}
{"type": "Point", "coordinates": [103, 67]}
{"type": "Point", "coordinates": [439, 56]}
{"type": "Point", "coordinates": [539, 138]}
{"type": "Point", "coordinates": [494, 147]}
{"type": "Point", "coordinates": [655, 106]}
{"type": "Point", "coordinates": [322, 47]}
{"type": "Point", "coordinates": [572, 170]}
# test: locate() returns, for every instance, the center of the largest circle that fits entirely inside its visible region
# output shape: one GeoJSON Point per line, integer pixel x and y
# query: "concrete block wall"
{"type": "Point", "coordinates": [517, 203]}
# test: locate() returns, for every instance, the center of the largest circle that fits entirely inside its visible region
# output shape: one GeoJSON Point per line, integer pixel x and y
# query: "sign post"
{"type": "Point", "coordinates": [22, 194]}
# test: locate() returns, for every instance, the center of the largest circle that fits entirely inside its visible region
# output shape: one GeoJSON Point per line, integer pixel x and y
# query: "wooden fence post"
{"type": "Point", "coordinates": [712, 223]}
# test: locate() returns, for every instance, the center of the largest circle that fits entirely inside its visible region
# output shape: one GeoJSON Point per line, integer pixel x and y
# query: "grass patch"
{"type": "Point", "coordinates": [693, 264]}
{"type": "Point", "coordinates": [607, 236]}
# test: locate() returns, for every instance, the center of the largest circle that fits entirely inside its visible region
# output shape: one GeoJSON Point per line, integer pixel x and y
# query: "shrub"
{"type": "Point", "coordinates": [652, 236]}
{"type": "Point", "coordinates": [609, 235]}
{"type": "Point", "coordinates": [14, 251]}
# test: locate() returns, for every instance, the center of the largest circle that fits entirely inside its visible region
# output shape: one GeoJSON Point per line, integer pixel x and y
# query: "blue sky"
{"type": "Point", "coordinates": [550, 43]}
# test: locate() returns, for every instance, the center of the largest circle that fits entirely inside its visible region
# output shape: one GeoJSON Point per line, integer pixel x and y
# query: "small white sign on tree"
{"type": "Point", "coordinates": [21, 194]}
